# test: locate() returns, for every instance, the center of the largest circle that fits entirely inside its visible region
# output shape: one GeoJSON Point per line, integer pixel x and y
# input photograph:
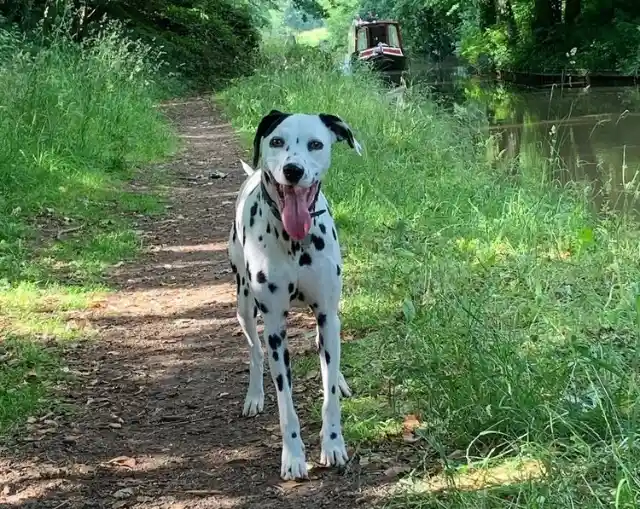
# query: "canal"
{"type": "Point", "coordinates": [581, 134]}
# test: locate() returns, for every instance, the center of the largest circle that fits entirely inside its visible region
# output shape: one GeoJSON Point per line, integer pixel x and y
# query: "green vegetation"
{"type": "Point", "coordinates": [204, 43]}
{"type": "Point", "coordinates": [529, 35]}
{"type": "Point", "coordinates": [77, 119]}
{"type": "Point", "coordinates": [496, 308]}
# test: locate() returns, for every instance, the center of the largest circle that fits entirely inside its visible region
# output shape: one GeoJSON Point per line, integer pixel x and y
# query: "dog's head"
{"type": "Point", "coordinates": [294, 151]}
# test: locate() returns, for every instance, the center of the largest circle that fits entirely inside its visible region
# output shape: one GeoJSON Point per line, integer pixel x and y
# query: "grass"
{"type": "Point", "coordinates": [312, 37]}
{"type": "Point", "coordinates": [77, 121]}
{"type": "Point", "coordinates": [498, 309]}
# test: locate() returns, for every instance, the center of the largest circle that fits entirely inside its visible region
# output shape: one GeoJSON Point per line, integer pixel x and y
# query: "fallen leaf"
{"type": "Point", "coordinates": [289, 485]}
{"type": "Point", "coordinates": [123, 493]}
{"type": "Point", "coordinates": [410, 423]}
{"type": "Point", "coordinates": [396, 470]}
{"type": "Point", "coordinates": [115, 425]}
{"type": "Point", "coordinates": [70, 439]}
{"type": "Point", "coordinates": [123, 461]}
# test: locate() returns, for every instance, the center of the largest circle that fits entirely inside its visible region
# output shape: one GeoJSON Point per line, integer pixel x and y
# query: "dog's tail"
{"type": "Point", "coordinates": [247, 169]}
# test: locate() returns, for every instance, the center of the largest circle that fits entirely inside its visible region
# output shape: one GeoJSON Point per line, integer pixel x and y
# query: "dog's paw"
{"type": "Point", "coordinates": [253, 404]}
{"type": "Point", "coordinates": [345, 391]}
{"type": "Point", "coordinates": [294, 465]}
{"type": "Point", "coordinates": [334, 450]}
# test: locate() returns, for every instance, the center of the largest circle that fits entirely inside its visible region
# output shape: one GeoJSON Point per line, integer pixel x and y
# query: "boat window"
{"type": "Point", "coordinates": [362, 40]}
{"type": "Point", "coordinates": [378, 35]}
{"type": "Point", "coordinates": [394, 40]}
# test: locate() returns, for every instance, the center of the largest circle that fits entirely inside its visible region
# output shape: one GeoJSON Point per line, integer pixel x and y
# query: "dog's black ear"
{"type": "Point", "coordinates": [341, 130]}
{"type": "Point", "coordinates": [266, 126]}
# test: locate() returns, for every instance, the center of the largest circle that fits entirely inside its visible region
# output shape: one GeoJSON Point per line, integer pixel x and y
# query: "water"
{"type": "Point", "coordinates": [590, 135]}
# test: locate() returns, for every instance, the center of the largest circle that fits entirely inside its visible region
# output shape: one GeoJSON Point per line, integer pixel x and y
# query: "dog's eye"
{"type": "Point", "coordinates": [276, 142]}
{"type": "Point", "coordinates": [315, 145]}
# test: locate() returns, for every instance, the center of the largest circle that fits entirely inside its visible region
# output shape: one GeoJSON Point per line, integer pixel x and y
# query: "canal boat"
{"type": "Point", "coordinates": [378, 42]}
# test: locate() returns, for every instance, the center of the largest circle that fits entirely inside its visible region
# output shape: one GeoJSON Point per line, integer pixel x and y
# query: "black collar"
{"type": "Point", "coordinates": [274, 207]}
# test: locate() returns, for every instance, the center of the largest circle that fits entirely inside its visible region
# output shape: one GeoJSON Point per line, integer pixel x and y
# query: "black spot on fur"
{"type": "Point", "coordinates": [260, 277]}
{"type": "Point", "coordinates": [322, 318]}
{"type": "Point", "coordinates": [294, 435]}
{"type": "Point", "coordinates": [318, 242]}
{"type": "Point", "coordinates": [321, 340]}
{"type": "Point", "coordinates": [283, 334]}
{"type": "Point", "coordinates": [243, 281]}
{"type": "Point", "coordinates": [263, 308]}
{"type": "Point", "coordinates": [276, 357]}
{"type": "Point", "coordinates": [291, 287]}
{"type": "Point", "coordinates": [244, 235]}
{"type": "Point", "coordinates": [314, 305]}
{"type": "Point", "coordinates": [280, 383]}
{"type": "Point", "coordinates": [233, 238]}
{"type": "Point", "coordinates": [305, 259]}
{"type": "Point", "coordinates": [234, 269]}
{"type": "Point", "coordinates": [301, 296]}
{"type": "Point", "coordinates": [251, 221]}
{"type": "Point", "coordinates": [237, 283]}
{"type": "Point", "coordinates": [293, 296]}
{"type": "Point", "coordinates": [255, 311]}
{"type": "Point", "coordinates": [295, 246]}
{"type": "Point", "coordinates": [333, 435]}
{"type": "Point", "coordinates": [333, 389]}
{"type": "Point", "coordinates": [285, 314]}
{"type": "Point", "coordinates": [286, 357]}
{"type": "Point", "coordinates": [335, 236]}
{"type": "Point", "coordinates": [285, 235]}
{"type": "Point", "coordinates": [267, 177]}
{"type": "Point", "coordinates": [327, 357]}
{"type": "Point", "coordinates": [246, 292]}
{"type": "Point", "coordinates": [260, 238]}
{"type": "Point", "coordinates": [268, 228]}
{"type": "Point", "coordinates": [274, 341]}
{"type": "Point", "coordinates": [248, 272]}
{"type": "Point", "coordinates": [272, 287]}
{"type": "Point", "coordinates": [338, 270]}
{"type": "Point", "coordinates": [260, 212]}
{"type": "Point", "coordinates": [289, 377]}
{"type": "Point", "coordinates": [275, 230]}
{"type": "Point", "coordinates": [254, 209]}
{"type": "Point", "coordinates": [323, 228]}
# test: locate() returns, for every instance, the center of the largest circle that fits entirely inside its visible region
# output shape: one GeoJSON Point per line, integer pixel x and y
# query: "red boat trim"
{"type": "Point", "coordinates": [385, 51]}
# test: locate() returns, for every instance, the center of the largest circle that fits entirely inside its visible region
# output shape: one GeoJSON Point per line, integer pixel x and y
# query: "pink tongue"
{"type": "Point", "coordinates": [295, 213]}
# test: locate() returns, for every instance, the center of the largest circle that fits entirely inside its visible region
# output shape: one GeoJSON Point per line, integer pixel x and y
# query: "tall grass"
{"type": "Point", "coordinates": [498, 309]}
{"type": "Point", "coordinates": [76, 119]}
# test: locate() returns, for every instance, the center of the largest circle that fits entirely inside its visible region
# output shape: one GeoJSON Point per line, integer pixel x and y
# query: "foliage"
{"type": "Point", "coordinates": [208, 40]}
{"type": "Point", "coordinates": [77, 118]}
{"type": "Point", "coordinates": [511, 34]}
{"type": "Point", "coordinates": [495, 308]}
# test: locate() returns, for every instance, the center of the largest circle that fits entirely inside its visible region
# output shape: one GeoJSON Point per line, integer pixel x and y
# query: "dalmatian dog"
{"type": "Point", "coordinates": [284, 251]}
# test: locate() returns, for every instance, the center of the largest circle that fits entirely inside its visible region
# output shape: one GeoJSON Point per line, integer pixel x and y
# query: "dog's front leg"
{"type": "Point", "coordinates": [334, 451]}
{"type": "Point", "coordinates": [293, 451]}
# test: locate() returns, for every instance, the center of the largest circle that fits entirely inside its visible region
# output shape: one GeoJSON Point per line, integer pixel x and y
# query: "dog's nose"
{"type": "Point", "coordinates": [292, 172]}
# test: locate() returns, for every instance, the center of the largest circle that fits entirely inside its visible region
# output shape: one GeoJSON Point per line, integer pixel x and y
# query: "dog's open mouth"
{"type": "Point", "coordinates": [295, 203]}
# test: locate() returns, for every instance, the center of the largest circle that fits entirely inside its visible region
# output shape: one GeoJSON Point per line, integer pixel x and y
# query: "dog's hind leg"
{"type": "Point", "coordinates": [345, 390]}
{"type": "Point", "coordinates": [334, 451]}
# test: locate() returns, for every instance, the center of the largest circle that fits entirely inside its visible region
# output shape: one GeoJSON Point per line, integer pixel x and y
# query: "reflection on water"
{"type": "Point", "coordinates": [579, 134]}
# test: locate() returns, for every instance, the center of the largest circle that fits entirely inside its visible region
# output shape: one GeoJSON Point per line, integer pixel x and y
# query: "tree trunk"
{"type": "Point", "coordinates": [572, 10]}
{"type": "Point", "coordinates": [487, 13]}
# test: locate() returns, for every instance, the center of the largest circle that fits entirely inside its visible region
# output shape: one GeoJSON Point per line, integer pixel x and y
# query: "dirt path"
{"type": "Point", "coordinates": [163, 386]}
